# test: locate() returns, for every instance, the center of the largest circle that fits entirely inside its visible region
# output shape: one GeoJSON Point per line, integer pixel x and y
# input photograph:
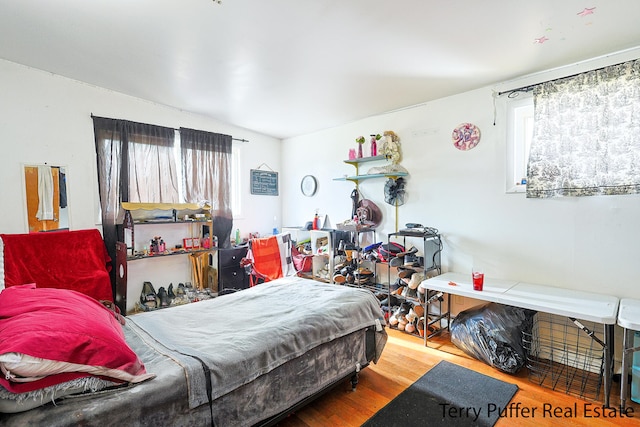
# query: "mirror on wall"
{"type": "Point", "coordinates": [46, 195]}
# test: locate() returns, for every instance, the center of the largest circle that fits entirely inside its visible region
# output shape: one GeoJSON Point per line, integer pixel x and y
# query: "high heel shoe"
{"type": "Point", "coordinates": [148, 297]}
{"type": "Point", "coordinates": [164, 297]}
{"type": "Point", "coordinates": [181, 290]}
{"type": "Point", "coordinates": [170, 293]}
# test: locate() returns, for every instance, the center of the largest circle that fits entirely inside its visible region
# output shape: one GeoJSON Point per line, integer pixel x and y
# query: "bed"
{"type": "Point", "coordinates": [247, 358]}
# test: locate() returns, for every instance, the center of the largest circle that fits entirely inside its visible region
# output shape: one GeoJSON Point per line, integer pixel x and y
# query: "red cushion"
{"type": "Point", "coordinates": [61, 325]}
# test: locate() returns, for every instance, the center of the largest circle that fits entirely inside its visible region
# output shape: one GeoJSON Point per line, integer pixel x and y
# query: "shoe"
{"type": "Point", "coordinates": [339, 278]}
{"type": "Point", "coordinates": [419, 310]}
{"type": "Point", "coordinates": [164, 297]}
{"type": "Point", "coordinates": [392, 300]}
{"type": "Point", "coordinates": [148, 297]}
{"type": "Point", "coordinates": [415, 281]}
{"type": "Point", "coordinates": [395, 285]}
{"type": "Point", "coordinates": [420, 326]}
{"type": "Point", "coordinates": [411, 261]}
{"type": "Point", "coordinates": [365, 272]}
{"type": "Point", "coordinates": [170, 293]}
{"type": "Point", "coordinates": [410, 328]}
{"type": "Point", "coordinates": [181, 291]}
{"type": "Point", "coordinates": [396, 262]}
{"type": "Point", "coordinates": [411, 251]}
{"type": "Point", "coordinates": [402, 323]}
{"type": "Point", "coordinates": [393, 320]}
{"type": "Point", "coordinates": [406, 273]}
{"type": "Point", "coordinates": [381, 296]}
{"type": "Point", "coordinates": [410, 293]}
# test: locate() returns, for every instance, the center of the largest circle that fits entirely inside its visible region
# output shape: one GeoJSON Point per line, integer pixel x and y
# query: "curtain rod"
{"type": "Point", "coordinates": [232, 138]}
{"type": "Point", "coordinates": [529, 88]}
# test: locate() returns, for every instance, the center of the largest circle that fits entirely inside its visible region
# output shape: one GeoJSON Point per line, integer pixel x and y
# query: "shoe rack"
{"type": "Point", "coordinates": [428, 311]}
{"type": "Point", "coordinates": [361, 273]}
{"type": "Point", "coordinates": [322, 250]}
{"type": "Point", "coordinates": [185, 229]}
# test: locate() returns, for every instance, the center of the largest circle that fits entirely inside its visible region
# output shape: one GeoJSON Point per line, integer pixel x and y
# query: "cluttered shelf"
{"type": "Point", "coordinates": [141, 255]}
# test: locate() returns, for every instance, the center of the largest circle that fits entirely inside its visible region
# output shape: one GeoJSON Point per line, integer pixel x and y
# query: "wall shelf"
{"type": "Point", "coordinates": [357, 178]}
{"type": "Point", "coordinates": [361, 177]}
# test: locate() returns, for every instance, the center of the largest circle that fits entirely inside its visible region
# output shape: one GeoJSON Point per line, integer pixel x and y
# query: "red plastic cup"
{"type": "Point", "coordinates": [478, 280]}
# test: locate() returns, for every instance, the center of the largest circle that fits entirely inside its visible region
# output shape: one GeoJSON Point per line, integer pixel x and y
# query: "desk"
{"type": "Point", "coordinates": [589, 306]}
{"type": "Point", "coordinates": [629, 319]}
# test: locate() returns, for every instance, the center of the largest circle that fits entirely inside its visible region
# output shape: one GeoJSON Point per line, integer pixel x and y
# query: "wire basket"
{"type": "Point", "coordinates": [564, 357]}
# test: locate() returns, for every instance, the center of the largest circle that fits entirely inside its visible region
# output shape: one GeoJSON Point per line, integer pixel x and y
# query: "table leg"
{"type": "Point", "coordinates": [627, 352]}
{"type": "Point", "coordinates": [608, 362]}
{"type": "Point", "coordinates": [426, 318]}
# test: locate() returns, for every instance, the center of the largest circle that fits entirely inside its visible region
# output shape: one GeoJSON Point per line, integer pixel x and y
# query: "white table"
{"type": "Point", "coordinates": [629, 319]}
{"type": "Point", "coordinates": [574, 304]}
{"type": "Point", "coordinates": [493, 289]}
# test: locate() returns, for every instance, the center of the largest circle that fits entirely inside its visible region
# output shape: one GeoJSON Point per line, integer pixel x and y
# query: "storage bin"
{"type": "Point", "coordinates": [563, 357]}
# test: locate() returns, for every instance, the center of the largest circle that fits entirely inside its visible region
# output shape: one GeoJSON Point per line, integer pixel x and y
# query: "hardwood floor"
{"type": "Point", "coordinates": [405, 359]}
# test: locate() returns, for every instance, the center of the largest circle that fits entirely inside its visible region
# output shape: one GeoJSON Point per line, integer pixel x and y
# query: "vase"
{"type": "Point", "coordinates": [352, 153]}
{"type": "Point", "coordinates": [359, 150]}
{"type": "Point", "coordinates": [374, 146]}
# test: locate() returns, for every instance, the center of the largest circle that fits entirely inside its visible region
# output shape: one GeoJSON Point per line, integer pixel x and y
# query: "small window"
{"type": "Point", "coordinates": [519, 134]}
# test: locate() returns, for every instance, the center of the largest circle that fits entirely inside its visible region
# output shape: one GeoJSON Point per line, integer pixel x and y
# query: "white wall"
{"type": "Point", "coordinates": [578, 243]}
{"type": "Point", "coordinates": [47, 118]}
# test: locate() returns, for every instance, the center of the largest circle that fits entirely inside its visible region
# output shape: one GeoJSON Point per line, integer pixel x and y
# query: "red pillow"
{"type": "Point", "coordinates": [65, 326]}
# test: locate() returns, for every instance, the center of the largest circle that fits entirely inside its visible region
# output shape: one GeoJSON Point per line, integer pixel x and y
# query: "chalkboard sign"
{"type": "Point", "coordinates": [264, 182]}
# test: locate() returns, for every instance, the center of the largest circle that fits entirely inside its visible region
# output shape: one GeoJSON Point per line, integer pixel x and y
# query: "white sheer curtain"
{"type": "Point", "coordinates": [587, 134]}
{"type": "Point", "coordinates": [152, 167]}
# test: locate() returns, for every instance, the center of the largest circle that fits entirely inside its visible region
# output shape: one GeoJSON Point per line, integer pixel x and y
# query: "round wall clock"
{"type": "Point", "coordinates": [465, 136]}
{"type": "Point", "coordinates": [309, 185]}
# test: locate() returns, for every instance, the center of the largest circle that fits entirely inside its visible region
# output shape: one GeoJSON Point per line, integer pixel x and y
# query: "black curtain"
{"type": "Point", "coordinates": [112, 137]}
{"type": "Point", "coordinates": [206, 173]}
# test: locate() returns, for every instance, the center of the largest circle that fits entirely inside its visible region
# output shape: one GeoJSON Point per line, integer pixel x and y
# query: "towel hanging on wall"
{"type": "Point", "coordinates": [45, 193]}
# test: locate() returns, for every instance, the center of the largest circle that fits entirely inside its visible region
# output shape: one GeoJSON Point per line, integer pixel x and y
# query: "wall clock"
{"type": "Point", "coordinates": [309, 185]}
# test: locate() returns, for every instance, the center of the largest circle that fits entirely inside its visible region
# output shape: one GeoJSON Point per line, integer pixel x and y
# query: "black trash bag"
{"type": "Point", "coordinates": [493, 333]}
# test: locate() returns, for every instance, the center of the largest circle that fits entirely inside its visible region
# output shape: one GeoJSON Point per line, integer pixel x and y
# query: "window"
{"type": "Point", "coordinates": [519, 135]}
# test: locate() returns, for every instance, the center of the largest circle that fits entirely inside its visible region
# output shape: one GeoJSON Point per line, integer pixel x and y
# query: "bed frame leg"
{"type": "Point", "coordinates": [354, 381]}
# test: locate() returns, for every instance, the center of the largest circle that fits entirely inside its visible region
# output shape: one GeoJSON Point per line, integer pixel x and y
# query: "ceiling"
{"type": "Point", "coordinates": [291, 67]}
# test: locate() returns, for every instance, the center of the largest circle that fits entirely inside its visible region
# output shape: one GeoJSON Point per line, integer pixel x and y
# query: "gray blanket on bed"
{"type": "Point", "coordinates": [238, 345]}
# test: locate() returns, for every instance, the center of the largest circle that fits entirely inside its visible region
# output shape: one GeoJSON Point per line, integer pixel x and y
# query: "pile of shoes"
{"type": "Point", "coordinates": [183, 294]}
{"type": "Point", "coordinates": [407, 259]}
{"type": "Point", "coordinates": [408, 317]}
{"type": "Point", "coordinates": [351, 274]}
{"type": "Point", "coordinates": [349, 270]}
{"type": "Point", "coordinates": [408, 283]}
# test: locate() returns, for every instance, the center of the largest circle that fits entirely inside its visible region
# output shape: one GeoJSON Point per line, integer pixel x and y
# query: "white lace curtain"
{"type": "Point", "coordinates": [586, 137]}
